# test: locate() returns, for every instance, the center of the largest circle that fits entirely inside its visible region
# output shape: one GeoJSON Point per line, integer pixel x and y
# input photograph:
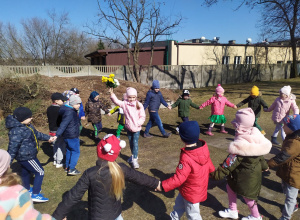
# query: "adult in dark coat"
{"type": "Point", "coordinates": [102, 202]}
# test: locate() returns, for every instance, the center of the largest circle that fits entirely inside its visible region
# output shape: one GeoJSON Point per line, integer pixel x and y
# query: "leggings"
{"type": "Point", "coordinates": [279, 127]}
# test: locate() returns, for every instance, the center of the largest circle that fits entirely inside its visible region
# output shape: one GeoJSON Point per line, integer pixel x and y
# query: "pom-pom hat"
{"type": "Point", "coordinates": [219, 89]}
{"type": "Point", "coordinates": [109, 147]}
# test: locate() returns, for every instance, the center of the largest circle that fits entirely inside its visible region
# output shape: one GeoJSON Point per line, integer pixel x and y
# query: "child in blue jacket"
{"type": "Point", "coordinates": [23, 146]}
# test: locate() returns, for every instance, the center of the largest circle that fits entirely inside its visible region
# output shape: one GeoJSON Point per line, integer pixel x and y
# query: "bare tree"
{"type": "Point", "coordinates": [280, 18]}
{"type": "Point", "coordinates": [129, 21]}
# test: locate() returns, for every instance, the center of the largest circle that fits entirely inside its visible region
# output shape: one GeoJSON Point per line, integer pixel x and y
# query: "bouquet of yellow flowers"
{"type": "Point", "coordinates": [110, 81]}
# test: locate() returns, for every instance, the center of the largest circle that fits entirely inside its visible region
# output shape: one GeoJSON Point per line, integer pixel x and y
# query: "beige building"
{"type": "Point", "coordinates": [213, 53]}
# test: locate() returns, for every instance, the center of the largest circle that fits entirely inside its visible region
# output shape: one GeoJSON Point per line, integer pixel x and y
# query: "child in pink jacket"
{"type": "Point", "coordinates": [217, 102]}
{"type": "Point", "coordinates": [134, 119]}
{"type": "Point", "coordinates": [281, 108]}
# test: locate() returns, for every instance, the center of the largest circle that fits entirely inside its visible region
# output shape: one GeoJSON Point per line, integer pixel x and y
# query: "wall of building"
{"type": "Point", "coordinates": [212, 54]}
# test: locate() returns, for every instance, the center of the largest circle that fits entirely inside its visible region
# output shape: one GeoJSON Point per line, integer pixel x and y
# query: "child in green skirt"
{"type": "Point", "coordinates": [217, 102]}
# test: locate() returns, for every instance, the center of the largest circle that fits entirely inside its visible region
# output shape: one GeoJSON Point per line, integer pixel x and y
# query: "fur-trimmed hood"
{"type": "Point", "coordinates": [253, 144]}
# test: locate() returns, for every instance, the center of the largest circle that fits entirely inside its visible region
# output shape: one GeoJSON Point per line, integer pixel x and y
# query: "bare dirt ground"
{"type": "Point", "coordinates": [159, 156]}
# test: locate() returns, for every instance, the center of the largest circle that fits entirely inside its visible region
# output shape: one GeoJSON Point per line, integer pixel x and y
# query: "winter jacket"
{"type": "Point", "coordinates": [184, 106]}
{"type": "Point", "coordinates": [54, 119]}
{"type": "Point", "coordinates": [255, 104]}
{"type": "Point", "coordinates": [288, 160]}
{"type": "Point", "coordinates": [245, 163]}
{"type": "Point", "coordinates": [192, 173]}
{"type": "Point", "coordinates": [134, 118]}
{"type": "Point", "coordinates": [81, 111]}
{"type": "Point", "coordinates": [69, 127]}
{"type": "Point", "coordinates": [217, 105]}
{"type": "Point", "coordinates": [93, 111]}
{"type": "Point", "coordinates": [101, 204]}
{"type": "Point", "coordinates": [16, 204]}
{"type": "Point", "coordinates": [153, 101]}
{"type": "Point", "coordinates": [121, 116]}
{"type": "Point", "coordinates": [23, 140]}
{"type": "Point", "coordinates": [281, 108]}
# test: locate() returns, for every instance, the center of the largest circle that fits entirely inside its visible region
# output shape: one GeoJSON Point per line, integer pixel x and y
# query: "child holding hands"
{"type": "Point", "coordinates": [217, 102]}
{"type": "Point", "coordinates": [287, 162]}
{"type": "Point", "coordinates": [23, 146]}
{"type": "Point", "coordinates": [244, 165]}
{"type": "Point", "coordinates": [134, 118]}
{"type": "Point", "coordinates": [281, 108]}
{"type": "Point", "coordinates": [192, 173]}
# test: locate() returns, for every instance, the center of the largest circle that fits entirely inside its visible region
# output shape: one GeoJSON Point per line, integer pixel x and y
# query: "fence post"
{"type": "Point", "coordinates": [48, 69]}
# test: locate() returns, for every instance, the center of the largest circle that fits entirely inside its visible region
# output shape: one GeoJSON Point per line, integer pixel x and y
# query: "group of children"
{"type": "Point", "coordinates": [243, 166]}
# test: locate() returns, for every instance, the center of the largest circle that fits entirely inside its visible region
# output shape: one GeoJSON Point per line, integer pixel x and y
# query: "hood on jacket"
{"type": "Point", "coordinates": [12, 122]}
{"type": "Point", "coordinates": [253, 144]}
{"type": "Point", "coordinates": [200, 155]}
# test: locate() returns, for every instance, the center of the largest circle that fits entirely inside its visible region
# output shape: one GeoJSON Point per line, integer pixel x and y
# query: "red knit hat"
{"type": "Point", "coordinates": [109, 147]}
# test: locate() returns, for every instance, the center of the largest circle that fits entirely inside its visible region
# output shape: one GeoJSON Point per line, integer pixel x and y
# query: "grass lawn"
{"type": "Point", "coordinates": [159, 157]}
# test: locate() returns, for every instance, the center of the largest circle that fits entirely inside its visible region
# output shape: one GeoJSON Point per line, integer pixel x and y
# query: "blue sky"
{"type": "Point", "coordinates": [217, 21]}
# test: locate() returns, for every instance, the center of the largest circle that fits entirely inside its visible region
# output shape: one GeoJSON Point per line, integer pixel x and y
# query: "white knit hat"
{"type": "Point", "coordinates": [286, 90]}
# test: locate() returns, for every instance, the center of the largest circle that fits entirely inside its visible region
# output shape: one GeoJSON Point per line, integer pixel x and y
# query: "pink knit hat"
{"type": "Point", "coordinates": [4, 162]}
{"type": "Point", "coordinates": [131, 92]}
{"type": "Point", "coordinates": [244, 120]}
{"type": "Point", "coordinates": [219, 89]}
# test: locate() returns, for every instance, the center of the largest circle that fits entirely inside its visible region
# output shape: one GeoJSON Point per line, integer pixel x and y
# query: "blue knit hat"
{"type": "Point", "coordinates": [189, 132]}
{"type": "Point", "coordinates": [293, 122]}
{"type": "Point", "coordinates": [93, 95]}
{"type": "Point", "coordinates": [155, 84]}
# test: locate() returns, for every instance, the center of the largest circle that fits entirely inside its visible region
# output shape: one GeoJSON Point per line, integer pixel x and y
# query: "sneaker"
{"type": "Point", "coordinates": [250, 217]}
{"type": "Point", "coordinates": [177, 129]}
{"type": "Point", "coordinates": [30, 191]}
{"type": "Point", "coordinates": [166, 135]}
{"type": "Point", "coordinates": [228, 213]}
{"type": "Point", "coordinates": [54, 163]}
{"type": "Point", "coordinates": [147, 135]}
{"type": "Point", "coordinates": [66, 169]}
{"type": "Point", "coordinates": [39, 198]}
{"type": "Point", "coordinates": [135, 164]}
{"type": "Point", "coordinates": [59, 165]}
{"type": "Point", "coordinates": [73, 172]}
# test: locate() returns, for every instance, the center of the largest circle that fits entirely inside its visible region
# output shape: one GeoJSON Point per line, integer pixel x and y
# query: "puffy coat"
{"type": "Point", "coordinates": [153, 101]}
{"type": "Point", "coordinates": [69, 126]}
{"type": "Point", "coordinates": [184, 106]}
{"type": "Point", "coordinates": [255, 104]}
{"type": "Point", "coordinates": [192, 173]}
{"type": "Point", "coordinates": [93, 110]}
{"type": "Point", "coordinates": [217, 105]}
{"type": "Point", "coordinates": [245, 163]}
{"type": "Point", "coordinates": [281, 108]}
{"type": "Point", "coordinates": [23, 144]}
{"type": "Point", "coordinates": [134, 118]}
{"type": "Point", "coordinates": [288, 160]}
{"type": "Point", "coordinates": [101, 204]}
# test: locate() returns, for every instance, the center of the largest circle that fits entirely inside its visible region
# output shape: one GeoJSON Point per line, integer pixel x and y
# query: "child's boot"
{"type": "Point", "coordinates": [263, 132]}
{"type": "Point", "coordinates": [208, 132]}
{"type": "Point", "coordinates": [274, 140]}
{"type": "Point", "coordinates": [228, 213]}
{"type": "Point", "coordinates": [223, 130]}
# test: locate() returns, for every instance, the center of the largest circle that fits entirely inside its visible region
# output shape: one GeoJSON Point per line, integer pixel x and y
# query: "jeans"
{"type": "Point", "coordinates": [73, 152]}
{"type": "Point", "coordinates": [291, 195]}
{"type": "Point", "coordinates": [181, 205]}
{"type": "Point", "coordinates": [184, 119]}
{"type": "Point", "coordinates": [133, 141]}
{"type": "Point", "coordinates": [154, 118]}
{"type": "Point", "coordinates": [32, 166]}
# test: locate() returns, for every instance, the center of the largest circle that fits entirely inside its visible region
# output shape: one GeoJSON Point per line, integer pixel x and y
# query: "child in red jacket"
{"type": "Point", "coordinates": [192, 173]}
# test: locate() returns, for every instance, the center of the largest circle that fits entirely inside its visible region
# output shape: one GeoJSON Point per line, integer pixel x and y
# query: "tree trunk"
{"type": "Point", "coordinates": [294, 69]}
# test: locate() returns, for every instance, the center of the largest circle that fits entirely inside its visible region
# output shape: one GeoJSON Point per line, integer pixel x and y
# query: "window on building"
{"type": "Point", "coordinates": [249, 60]}
{"type": "Point", "coordinates": [237, 60]}
{"type": "Point", "coordinates": [280, 62]}
{"type": "Point", "coordinates": [225, 60]}
{"type": "Point", "coordinates": [289, 61]}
